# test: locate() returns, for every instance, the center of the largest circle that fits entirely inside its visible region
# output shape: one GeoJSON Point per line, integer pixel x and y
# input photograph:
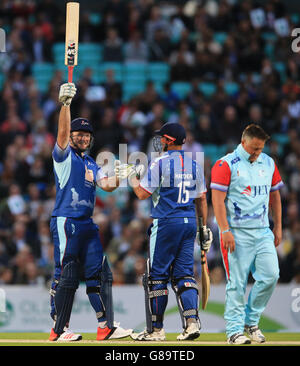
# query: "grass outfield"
{"type": "Point", "coordinates": [89, 339]}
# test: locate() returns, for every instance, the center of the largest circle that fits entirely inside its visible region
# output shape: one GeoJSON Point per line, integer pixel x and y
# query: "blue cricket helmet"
{"type": "Point", "coordinates": [173, 131]}
{"type": "Point", "coordinates": [82, 124]}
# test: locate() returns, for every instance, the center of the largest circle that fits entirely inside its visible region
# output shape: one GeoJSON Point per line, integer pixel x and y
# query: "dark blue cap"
{"type": "Point", "coordinates": [172, 131]}
{"type": "Point", "coordinates": [81, 124]}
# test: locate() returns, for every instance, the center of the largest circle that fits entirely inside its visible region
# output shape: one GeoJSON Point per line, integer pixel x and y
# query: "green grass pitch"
{"type": "Point", "coordinates": [89, 339]}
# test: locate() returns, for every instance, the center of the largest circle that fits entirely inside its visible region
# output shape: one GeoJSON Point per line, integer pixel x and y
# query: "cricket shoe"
{"type": "Point", "coordinates": [255, 333]}
{"type": "Point", "coordinates": [238, 338]}
{"type": "Point", "coordinates": [115, 332]}
{"type": "Point", "coordinates": [156, 335]}
{"type": "Point", "coordinates": [192, 331]}
{"type": "Point", "coordinates": [66, 336]}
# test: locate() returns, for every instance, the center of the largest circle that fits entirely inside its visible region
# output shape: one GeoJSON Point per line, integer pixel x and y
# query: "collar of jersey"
{"type": "Point", "coordinates": [79, 152]}
{"type": "Point", "coordinates": [243, 153]}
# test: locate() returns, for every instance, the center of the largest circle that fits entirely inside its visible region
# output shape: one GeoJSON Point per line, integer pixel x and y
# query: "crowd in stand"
{"type": "Point", "coordinates": [182, 34]}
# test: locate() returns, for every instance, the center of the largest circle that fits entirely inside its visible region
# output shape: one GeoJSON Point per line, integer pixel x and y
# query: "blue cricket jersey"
{"type": "Point", "coordinates": [247, 186]}
{"type": "Point", "coordinates": [174, 180]}
{"type": "Point", "coordinates": [75, 179]}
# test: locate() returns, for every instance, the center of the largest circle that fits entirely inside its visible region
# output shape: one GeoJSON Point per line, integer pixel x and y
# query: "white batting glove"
{"type": "Point", "coordinates": [123, 171]}
{"type": "Point", "coordinates": [67, 92]}
{"type": "Point", "coordinates": [205, 238]}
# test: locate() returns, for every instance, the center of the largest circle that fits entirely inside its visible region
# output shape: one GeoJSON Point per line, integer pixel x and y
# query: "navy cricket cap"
{"type": "Point", "coordinates": [173, 131]}
{"type": "Point", "coordinates": [81, 124]}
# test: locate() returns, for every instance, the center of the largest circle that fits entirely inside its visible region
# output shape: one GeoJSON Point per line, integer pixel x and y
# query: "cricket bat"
{"type": "Point", "coordinates": [205, 281]}
{"type": "Point", "coordinates": [71, 43]}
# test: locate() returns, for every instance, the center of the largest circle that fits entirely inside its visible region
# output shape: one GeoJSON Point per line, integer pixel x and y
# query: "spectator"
{"type": "Point", "coordinates": [193, 146]}
{"type": "Point", "coordinates": [230, 127]}
{"type": "Point", "coordinates": [113, 47]}
{"type": "Point", "coordinates": [109, 133]}
{"type": "Point", "coordinates": [181, 70]}
{"type": "Point", "coordinates": [136, 50]}
{"type": "Point", "coordinates": [156, 22]}
{"type": "Point", "coordinates": [113, 89]}
{"type": "Point", "coordinates": [159, 46]}
{"type": "Point", "coordinates": [21, 63]}
{"type": "Point", "coordinates": [204, 131]}
{"type": "Point", "coordinates": [184, 52]}
{"type": "Point", "coordinates": [205, 67]}
{"type": "Point", "coordinates": [40, 46]}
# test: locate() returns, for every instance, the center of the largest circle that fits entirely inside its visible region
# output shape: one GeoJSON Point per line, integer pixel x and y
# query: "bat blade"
{"type": "Point", "coordinates": [71, 41]}
{"type": "Point", "coordinates": [205, 281]}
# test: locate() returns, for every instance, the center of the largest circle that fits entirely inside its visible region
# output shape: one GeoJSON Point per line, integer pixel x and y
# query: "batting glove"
{"type": "Point", "coordinates": [205, 238]}
{"type": "Point", "coordinates": [66, 93]}
{"type": "Point", "coordinates": [123, 171]}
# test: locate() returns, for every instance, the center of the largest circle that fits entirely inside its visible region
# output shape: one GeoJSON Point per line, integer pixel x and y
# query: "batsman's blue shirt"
{"type": "Point", "coordinates": [174, 180]}
{"type": "Point", "coordinates": [247, 186]}
{"type": "Point", "coordinates": [76, 177]}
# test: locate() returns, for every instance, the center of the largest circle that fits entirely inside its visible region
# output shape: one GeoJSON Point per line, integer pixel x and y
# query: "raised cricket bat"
{"type": "Point", "coordinates": [71, 44]}
{"type": "Point", "coordinates": [205, 281]}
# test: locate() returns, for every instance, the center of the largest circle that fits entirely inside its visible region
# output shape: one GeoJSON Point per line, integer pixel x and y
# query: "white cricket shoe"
{"type": "Point", "coordinates": [191, 332]}
{"type": "Point", "coordinates": [238, 338]}
{"type": "Point", "coordinates": [115, 333]}
{"type": "Point", "coordinates": [66, 336]}
{"type": "Point", "coordinates": [255, 333]}
{"type": "Point", "coordinates": [156, 335]}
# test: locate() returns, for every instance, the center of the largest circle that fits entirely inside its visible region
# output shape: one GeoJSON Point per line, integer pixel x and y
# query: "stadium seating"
{"type": "Point", "coordinates": [58, 53]}
{"type": "Point", "coordinates": [207, 88]}
{"type": "Point", "coordinates": [134, 72]}
{"type": "Point", "coordinates": [231, 88]}
{"type": "Point", "coordinates": [281, 68]}
{"type": "Point", "coordinates": [220, 37]}
{"type": "Point", "coordinates": [2, 80]}
{"type": "Point", "coordinates": [90, 54]}
{"type": "Point", "coordinates": [131, 88]}
{"type": "Point", "coordinates": [42, 73]}
{"type": "Point", "coordinates": [181, 88]}
{"type": "Point", "coordinates": [159, 72]}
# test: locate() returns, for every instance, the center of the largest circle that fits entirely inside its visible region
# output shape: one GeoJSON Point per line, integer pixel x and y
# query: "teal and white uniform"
{"type": "Point", "coordinates": [247, 186]}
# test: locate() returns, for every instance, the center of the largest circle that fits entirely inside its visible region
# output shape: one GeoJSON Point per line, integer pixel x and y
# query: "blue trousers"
{"type": "Point", "coordinates": [77, 240]}
{"type": "Point", "coordinates": [171, 254]}
{"type": "Point", "coordinates": [254, 252]}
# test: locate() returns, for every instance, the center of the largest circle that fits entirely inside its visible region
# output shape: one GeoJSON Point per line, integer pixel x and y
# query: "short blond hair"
{"type": "Point", "coordinates": [255, 131]}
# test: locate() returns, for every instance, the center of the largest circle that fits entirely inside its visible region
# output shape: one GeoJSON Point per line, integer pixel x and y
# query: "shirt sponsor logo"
{"type": "Point", "coordinates": [256, 190]}
{"type": "Point", "coordinates": [247, 191]}
{"type": "Point", "coordinates": [235, 160]}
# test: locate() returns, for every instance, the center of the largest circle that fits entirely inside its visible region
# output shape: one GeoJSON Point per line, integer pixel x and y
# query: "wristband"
{"type": "Point", "coordinates": [225, 231]}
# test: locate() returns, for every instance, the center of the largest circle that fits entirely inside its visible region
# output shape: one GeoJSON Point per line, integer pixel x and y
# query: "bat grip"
{"type": "Point", "coordinates": [200, 223]}
{"type": "Point", "coordinates": [70, 74]}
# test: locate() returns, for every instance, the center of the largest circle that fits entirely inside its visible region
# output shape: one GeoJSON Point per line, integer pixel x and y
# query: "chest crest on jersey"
{"type": "Point", "coordinates": [89, 175]}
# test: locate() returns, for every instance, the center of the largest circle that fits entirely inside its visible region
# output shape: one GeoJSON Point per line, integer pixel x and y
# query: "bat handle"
{"type": "Point", "coordinates": [200, 224]}
{"type": "Point", "coordinates": [70, 74]}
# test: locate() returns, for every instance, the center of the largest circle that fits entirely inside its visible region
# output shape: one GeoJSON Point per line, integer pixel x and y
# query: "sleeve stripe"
{"type": "Point", "coordinates": [219, 187]}
{"type": "Point", "coordinates": [145, 190]}
{"type": "Point", "coordinates": [277, 186]}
